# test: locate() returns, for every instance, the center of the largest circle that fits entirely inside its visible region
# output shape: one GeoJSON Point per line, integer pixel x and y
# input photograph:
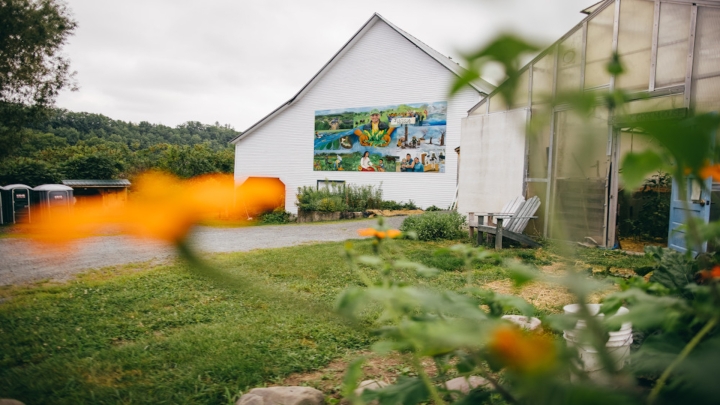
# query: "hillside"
{"type": "Point", "coordinates": [79, 145]}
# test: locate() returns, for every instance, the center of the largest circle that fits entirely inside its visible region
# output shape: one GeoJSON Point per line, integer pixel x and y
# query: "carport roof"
{"type": "Point", "coordinates": [97, 183]}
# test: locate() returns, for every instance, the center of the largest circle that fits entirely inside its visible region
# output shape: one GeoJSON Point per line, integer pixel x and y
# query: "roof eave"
{"type": "Point", "coordinates": [480, 85]}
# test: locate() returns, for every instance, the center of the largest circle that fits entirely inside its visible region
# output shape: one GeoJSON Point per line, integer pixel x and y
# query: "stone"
{"type": "Point", "coordinates": [465, 384]}
{"type": "Point", "coordinates": [369, 385]}
{"type": "Point", "coordinates": [282, 396]}
{"type": "Point", "coordinates": [6, 401]}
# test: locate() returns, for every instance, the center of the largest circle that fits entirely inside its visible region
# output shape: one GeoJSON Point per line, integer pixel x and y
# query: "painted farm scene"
{"type": "Point", "coordinates": [390, 138]}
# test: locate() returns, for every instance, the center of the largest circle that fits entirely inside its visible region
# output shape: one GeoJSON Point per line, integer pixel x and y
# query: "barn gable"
{"type": "Point", "coordinates": [380, 66]}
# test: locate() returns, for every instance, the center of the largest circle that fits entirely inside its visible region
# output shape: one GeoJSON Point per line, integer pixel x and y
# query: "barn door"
{"type": "Point", "coordinates": [697, 199]}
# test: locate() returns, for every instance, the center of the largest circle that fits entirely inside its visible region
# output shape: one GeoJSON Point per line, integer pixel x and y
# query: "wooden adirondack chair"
{"type": "Point", "coordinates": [511, 226]}
{"type": "Point", "coordinates": [506, 212]}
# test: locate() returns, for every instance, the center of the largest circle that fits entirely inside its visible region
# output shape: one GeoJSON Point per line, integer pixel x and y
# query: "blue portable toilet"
{"type": "Point", "coordinates": [16, 204]}
{"type": "Point", "coordinates": [50, 198]}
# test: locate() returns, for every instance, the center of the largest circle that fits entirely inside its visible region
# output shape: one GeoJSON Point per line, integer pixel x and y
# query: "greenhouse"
{"type": "Point", "coordinates": [538, 146]}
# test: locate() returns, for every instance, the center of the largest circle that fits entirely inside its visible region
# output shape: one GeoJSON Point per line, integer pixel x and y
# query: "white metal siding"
{"type": "Point", "coordinates": [381, 68]}
{"type": "Point", "coordinates": [491, 169]}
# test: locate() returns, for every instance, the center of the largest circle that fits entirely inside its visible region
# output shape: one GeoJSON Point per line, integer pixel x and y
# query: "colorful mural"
{"type": "Point", "coordinates": [390, 138]}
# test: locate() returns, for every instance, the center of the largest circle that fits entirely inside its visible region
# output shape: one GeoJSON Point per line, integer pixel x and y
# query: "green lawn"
{"type": "Point", "coordinates": [163, 335]}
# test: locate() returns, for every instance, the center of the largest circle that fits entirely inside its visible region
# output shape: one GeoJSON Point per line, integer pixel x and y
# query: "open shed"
{"type": "Point", "coordinates": [113, 193]}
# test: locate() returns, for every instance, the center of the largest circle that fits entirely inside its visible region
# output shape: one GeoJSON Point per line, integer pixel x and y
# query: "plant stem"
{"type": "Point", "coordinates": [426, 379]}
{"type": "Point", "coordinates": [679, 359]}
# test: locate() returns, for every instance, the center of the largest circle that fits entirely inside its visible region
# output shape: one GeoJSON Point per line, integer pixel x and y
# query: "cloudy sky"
{"type": "Point", "coordinates": [234, 61]}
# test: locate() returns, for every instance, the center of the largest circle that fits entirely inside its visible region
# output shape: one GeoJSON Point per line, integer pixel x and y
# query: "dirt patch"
{"type": "Point", "coordinates": [632, 245]}
{"type": "Point", "coordinates": [381, 368]}
{"type": "Point", "coordinates": [394, 213]}
{"type": "Point", "coordinates": [543, 295]}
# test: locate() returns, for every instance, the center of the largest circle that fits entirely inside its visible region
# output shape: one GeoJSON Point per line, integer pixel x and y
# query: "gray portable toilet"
{"type": "Point", "coordinates": [50, 198]}
{"type": "Point", "coordinates": [16, 204]}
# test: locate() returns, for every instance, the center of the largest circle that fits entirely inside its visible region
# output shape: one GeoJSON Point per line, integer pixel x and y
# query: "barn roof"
{"type": "Point", "coordinates": [479, 85]}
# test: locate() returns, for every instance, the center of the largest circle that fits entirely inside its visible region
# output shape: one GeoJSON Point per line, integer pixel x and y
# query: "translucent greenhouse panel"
{"type": "Point", "coordinates": [539, 189]}
{"type": "Point", "coordinates": [569, 59]}
{"type": "Point", "coordinates": [706, 69]}
{"type": "Point", "coordinates": [672, 52]}
{"type": "Point", "coordinates": [599, 48]}
{"type": "Point", "coordinates": [581, 177]}
{"type": "Point", "coordinates": [539, 143]}
{"type": "Point", "coordinates": [581, 145]}
{"type": "Point", "coordinates": [656, 104]}
{"type": "Point", "coordinates": [706, 95]}
{"type": "Point", "coordinates": [497, 103]}
{"type": "Point", "coordinates": [542, 83]}
{"type": "Point", "coordinates": [635, 43]}
{"type": "Point", "coordinates": [520, 98]}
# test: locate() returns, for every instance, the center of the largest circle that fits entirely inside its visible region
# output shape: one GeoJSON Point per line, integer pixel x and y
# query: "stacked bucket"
{"type": "Point", "coordinates": [618, 345]}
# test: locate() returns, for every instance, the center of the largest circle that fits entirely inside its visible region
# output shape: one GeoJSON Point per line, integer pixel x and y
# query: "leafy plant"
{"type": "Point", "coordinates": [337, 198]}
{"type": "Point", "coordinates": [432, 208]}
{"type": "Point", "coordinates": [276, 216]}
{"type": "Point", "coordinates": [654, 214]}
{"type": "Point", "coordinates": [435, 225]}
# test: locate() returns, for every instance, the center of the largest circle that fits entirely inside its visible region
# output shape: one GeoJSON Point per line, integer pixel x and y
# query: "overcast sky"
{"type": "Point", "coordinates": [234, 61]}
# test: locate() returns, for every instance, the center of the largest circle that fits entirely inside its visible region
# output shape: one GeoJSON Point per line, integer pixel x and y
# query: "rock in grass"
{"type": "Point", "coordinates": [282, 396]}
{"type": "Point", "coordinates": [5, 401]}
{"type": "Point", "coordinates": [369, 385]}
{"type": "Point", "coordinates": [464, 385]}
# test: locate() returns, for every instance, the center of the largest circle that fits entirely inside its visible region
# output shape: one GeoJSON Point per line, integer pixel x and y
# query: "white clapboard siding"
{"type": "Point", "coordinates": [382, 67]}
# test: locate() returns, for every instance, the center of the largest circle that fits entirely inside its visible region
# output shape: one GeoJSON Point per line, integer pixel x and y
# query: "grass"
{"type": "Point", "coordinates": [143, 334]}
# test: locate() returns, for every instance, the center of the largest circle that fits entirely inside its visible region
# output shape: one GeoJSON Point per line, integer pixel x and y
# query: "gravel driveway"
{"type": "Point", "coordinates": [22, 262]}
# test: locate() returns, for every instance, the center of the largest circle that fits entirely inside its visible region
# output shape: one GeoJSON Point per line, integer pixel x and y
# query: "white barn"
{"type": "Point", "coordinates": [283, 144]}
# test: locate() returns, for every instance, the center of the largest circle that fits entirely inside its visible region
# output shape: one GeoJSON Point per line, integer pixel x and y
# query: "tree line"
{"type": "Point", "coordinates": [77, 145]}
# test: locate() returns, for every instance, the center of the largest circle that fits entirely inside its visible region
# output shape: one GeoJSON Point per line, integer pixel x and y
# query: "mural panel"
{"type": "Point", "coordinates": [389, 138]}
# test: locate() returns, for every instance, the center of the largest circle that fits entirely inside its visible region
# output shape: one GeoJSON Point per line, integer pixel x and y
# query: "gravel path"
{"type": "Point", "coordinates": [22, 262]}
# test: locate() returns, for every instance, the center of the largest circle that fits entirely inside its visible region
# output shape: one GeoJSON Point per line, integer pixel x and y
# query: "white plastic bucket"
{"type": "Point", "coordinates": [523, 321]}
{"type": "Point", "coordinates": [594, 309]}
{"type": "Point", "coordinates": [618, 344]}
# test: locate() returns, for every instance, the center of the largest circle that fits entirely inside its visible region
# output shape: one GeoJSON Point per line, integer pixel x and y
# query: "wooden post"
{"type": "Point", "coordinates": [481, 221]}
{"type": "Point", "coordinates": [470, 226]}
{"type": "Point", "coordinates": [498, 234]}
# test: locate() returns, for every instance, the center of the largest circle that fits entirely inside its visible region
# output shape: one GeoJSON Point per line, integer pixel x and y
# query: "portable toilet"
{"type": "Point", "coordinates": [16, 204]}
{"type": "Point", "coordinates": [50, 198]}
{"type": "Point", "coordinates": [2, 212]}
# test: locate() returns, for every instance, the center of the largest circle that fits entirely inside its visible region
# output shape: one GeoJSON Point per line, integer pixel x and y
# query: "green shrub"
{"type": "Point", "coordinates": [435, 225]}
{"type": "Point", "coordinates": [338, 198]}
{"type": "Point", "coordinates": [390, 205]}
{"type": "Point", "coordinates": [432, 208]}
{"type": "Point", "coordinates": [276, 216]}
{"type": "Point", "coordinates": [410, 205]}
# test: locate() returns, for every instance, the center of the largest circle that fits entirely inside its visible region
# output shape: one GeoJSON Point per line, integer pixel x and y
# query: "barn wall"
{"type": "Point", "coordinates": [381, 68]}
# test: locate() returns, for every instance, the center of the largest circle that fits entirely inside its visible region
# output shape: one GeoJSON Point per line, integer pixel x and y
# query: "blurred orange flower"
{"type": "Point", "coordinates": [521, 351]}
{"type": "Point", "coordinates": [391, 233]}
{"type": "Point", "coordinates": [366, 232]}
{"type": "Point", "coordinates": [710, 274]}
{"type": "Point", "coordinates": [711, 171]}
{"type": "Point", "coordinates": [161, 207]}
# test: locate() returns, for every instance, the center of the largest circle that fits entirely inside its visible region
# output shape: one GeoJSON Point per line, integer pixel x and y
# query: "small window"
{"type": "Point", "coordinates": [326, 184]}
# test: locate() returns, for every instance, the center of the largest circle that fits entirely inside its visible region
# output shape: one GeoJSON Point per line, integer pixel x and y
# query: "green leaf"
{"type": "Point", "coordinates": [407, 391]}
{"type": "Point", "coordinates": [637, 166]}
{"type": "Point", "coordinates": [369, 260]}
{"type": "Point", "coordinates": [353, 373]}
